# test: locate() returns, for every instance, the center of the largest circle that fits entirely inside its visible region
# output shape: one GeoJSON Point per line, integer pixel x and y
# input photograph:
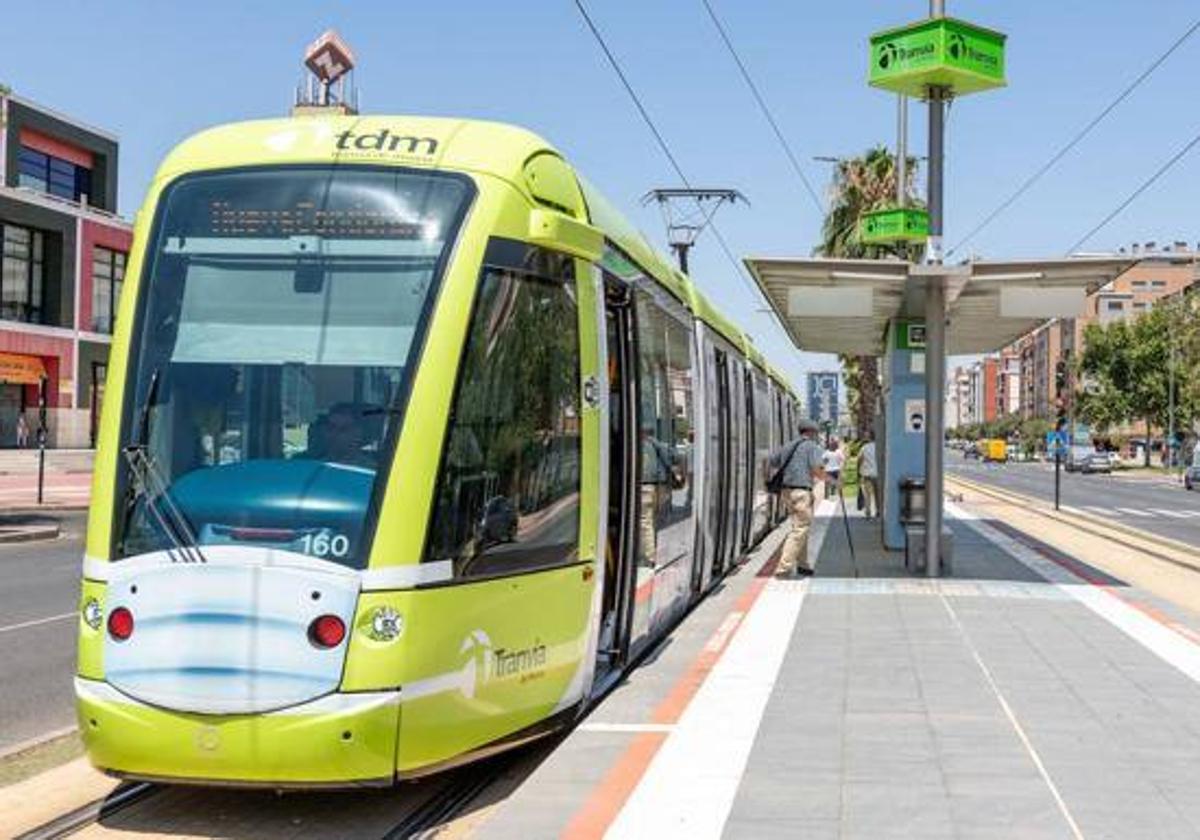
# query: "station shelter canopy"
{"type": "Point", "coordinates": [844, 306]}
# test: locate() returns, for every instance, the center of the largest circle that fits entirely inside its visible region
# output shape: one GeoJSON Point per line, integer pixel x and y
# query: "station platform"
{"type": "Point", "coordinates": [1026, 695]}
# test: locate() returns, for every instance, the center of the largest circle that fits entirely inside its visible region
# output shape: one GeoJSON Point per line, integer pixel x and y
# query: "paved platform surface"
{"type": "Point", "coordinates": [1028, 695]}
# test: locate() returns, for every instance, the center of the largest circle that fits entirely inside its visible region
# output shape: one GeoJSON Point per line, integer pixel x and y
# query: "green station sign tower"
{"type": "Point", "coordinates": [935, 59]}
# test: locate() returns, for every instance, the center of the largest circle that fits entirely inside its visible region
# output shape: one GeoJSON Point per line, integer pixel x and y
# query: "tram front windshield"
{"type": "Point", "coordinates": [277, 321]}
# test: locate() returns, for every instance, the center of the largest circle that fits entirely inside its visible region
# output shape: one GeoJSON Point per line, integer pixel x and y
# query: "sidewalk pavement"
{"type": "Point", "coordinates": [24, 461]}
{"type": "Point", "coordinates": [1030, 694]}
{"type": "Point", "coordinates": [67, 481]}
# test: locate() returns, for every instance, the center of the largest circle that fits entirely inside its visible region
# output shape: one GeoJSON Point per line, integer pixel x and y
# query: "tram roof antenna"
{"type": "Point", "coordinates": [687, 211]}
{"type": "Point", "coordinates": [329, 85]}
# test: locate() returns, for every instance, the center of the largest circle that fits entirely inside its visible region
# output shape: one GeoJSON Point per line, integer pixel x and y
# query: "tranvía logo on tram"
{"type": "Point", "coordinates": [487, 663]}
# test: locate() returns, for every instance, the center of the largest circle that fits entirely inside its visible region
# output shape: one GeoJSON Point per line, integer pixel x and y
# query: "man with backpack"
{"type": "Point", "coordinates": [793, 471]}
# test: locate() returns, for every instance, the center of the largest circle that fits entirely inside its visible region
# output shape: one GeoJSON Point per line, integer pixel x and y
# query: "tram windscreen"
{"type": "Point", "coordinates": [277, 320]}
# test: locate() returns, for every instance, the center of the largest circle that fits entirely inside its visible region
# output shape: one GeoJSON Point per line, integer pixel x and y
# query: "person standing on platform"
{"type": "Point", "coordinates": [22, 432]}
{"type": "Point", "coordinates": [833, 460]}
{"type": "Point", "coordinates": [794, 470]}
{"type": "Point", "coordinates": [868, 478]}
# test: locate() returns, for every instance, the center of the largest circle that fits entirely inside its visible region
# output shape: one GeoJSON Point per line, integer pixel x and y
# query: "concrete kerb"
{"type": "Point", "coordinates": [32, 744]}
{"type": "Point", "coordinates": [1073, 516]}
{"type": "Point", "coordinates": [29, 533]}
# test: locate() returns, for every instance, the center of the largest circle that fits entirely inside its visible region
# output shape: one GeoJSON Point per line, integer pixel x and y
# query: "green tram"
{"type": "Point", "coordinates": [412, 446]}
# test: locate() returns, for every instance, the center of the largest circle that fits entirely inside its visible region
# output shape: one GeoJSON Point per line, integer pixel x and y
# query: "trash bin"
{"type": "Point", "coordinates": [912, 499]}
{"type": "Point", "coordinates": [915, 559]}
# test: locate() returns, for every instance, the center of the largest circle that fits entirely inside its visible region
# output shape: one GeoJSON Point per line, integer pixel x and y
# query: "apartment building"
{"type": "Point", "coordinates": [1159, 273]}
{"type": "Point", "coordinates": [63, 252]}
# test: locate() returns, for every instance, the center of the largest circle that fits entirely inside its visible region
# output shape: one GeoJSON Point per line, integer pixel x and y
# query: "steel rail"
{"type": "Point", "coordinates": [122, 797]}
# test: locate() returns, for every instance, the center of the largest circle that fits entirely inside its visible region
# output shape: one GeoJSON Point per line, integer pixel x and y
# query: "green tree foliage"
{"type": "Point", "coordinates": [860, 185]}
{"type": "Point", "coordinates": [1127, 366]}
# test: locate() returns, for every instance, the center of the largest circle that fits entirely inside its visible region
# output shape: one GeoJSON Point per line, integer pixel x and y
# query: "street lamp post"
{"type": "Point", "coordinates": [1171, 399]}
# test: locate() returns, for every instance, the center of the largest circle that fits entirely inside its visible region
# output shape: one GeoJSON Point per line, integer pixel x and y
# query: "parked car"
{"type": "Point", "coordinates": [972, 451]}
{"type": "Point", "coordinates": [1087, 459]}
{"type": "Point", "coordinates": [1191, 477]}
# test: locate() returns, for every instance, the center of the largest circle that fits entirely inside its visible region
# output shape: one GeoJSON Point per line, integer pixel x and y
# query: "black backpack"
{"type": "Point", "coordinates": [775, 479]}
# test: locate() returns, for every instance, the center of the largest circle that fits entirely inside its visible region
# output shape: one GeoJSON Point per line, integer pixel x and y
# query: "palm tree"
{"type": "Point", "coordinates": [860, 185]}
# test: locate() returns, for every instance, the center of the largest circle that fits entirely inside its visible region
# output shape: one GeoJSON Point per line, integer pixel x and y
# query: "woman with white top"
{"type": "Point", "coordinates": [832, 461]}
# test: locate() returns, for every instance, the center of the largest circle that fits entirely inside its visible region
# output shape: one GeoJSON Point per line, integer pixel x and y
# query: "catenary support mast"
{"type": "Point", "coordinates": [935, 328]}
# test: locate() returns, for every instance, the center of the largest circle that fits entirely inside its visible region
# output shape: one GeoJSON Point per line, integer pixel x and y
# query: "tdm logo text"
{"type": "Point", "coordinates": [385, 141]}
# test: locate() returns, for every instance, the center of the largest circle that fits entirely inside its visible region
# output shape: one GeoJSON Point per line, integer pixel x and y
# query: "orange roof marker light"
{"type": "Point", "coordinates": [329, 57]}
{"type": "Point", "coordinates": [330, 63]}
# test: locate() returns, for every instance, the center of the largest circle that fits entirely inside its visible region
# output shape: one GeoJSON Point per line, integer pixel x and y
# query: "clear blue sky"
{"type": "Point", "coordinates": [154, 72]}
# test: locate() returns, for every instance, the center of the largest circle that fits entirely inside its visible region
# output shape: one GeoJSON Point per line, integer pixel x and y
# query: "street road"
{"type": "Point", "coordinates": [39, 586]}
{"type": "Point", "coordinates": [1154, 505]}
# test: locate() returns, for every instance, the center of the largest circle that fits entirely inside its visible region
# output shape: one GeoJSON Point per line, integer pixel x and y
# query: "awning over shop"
{"type": "Point", "coordinates": [844, 306]}
{"type": "Point", "coordinates": [16, 369]}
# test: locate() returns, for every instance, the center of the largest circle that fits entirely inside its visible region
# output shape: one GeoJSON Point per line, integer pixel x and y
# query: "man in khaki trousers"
{"type": "Point", "coordinates": [797, 467]}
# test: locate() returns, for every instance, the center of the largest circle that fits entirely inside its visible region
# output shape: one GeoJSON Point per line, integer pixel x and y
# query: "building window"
{"type": "Point", "coordinates": [1158, 284]}
{"type": "Point", "coordinates": [48, 174]}
{"type": "Point", "coordinates": [1114, 306]}
{"type": "Point", "coordinates": [508, 494]}
{"type": "Point", "coordinates": [22, 254]}
{"type": "Point", "coordinates": [108, 273]}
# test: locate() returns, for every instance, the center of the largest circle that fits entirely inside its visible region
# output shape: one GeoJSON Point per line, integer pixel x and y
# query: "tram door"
{"type": "Point", "coordinates": [616, 636]}
{"type": "Point", "coordinates": [725, 456]}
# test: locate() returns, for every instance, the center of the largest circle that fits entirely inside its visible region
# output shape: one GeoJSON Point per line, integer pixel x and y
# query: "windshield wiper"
{"type": "Point", "coordinates": [149, 484]}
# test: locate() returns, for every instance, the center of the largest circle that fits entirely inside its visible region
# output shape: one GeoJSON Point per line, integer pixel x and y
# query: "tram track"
{"type": "Point", "coordinates": [450, 796]}
{"type": "Point", "coordinates": [124, 796]}
{"type": "Point", "coordinates": [1149, 545]}
{"type": "Point", "coordinates": [448, 802]}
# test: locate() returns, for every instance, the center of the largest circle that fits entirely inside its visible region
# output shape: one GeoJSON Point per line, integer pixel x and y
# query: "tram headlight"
{"type": "Point", "coordinates": [92, 614]}
{"type": "Point", "coordinates": [386, 625]}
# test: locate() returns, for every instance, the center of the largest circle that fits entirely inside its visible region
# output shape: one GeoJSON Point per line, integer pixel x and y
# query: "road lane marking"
{"type": "Point", "coordinates": [35, 622]}
{"type": "Point", "coordinates": [1136, 512]}
{"type": "Point", "coordinates": [1174, 514]}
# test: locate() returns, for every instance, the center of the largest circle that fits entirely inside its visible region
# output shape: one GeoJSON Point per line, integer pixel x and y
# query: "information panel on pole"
{"type": "Point", "coordinates": [939, 52]}
{"type": "Point", "coordinates": [894, 224]}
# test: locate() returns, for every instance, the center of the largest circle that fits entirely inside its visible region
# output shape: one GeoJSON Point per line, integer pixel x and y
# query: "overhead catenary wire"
{"type": "Point", "coordinates": [1145, 185]}
{"type": "Point", "coordinates": [766, 111]}
{"type": "Point", "coordinates": [662, 142]}
{"type": "Point", "coordinates": [1079, 136]}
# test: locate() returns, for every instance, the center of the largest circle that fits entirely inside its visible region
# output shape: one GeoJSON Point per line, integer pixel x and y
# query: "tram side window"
{"type": "Point", "coordinates": [508, 495]}
{"type": "Point", "coordinates": [666, 422]}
